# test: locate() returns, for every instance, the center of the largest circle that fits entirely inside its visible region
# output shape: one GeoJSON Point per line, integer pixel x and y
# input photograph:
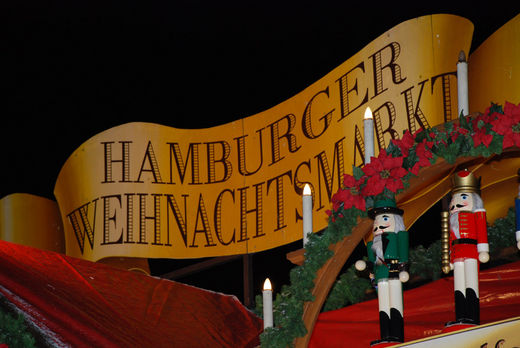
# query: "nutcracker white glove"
{"type": "Point", "coordinates": [404, 276]}
{"type": "Point", "coordinates": [360, 265]}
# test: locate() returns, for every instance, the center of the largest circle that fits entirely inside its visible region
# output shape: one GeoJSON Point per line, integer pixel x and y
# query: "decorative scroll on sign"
{"type": "Point", "coordinates": [148, 190]}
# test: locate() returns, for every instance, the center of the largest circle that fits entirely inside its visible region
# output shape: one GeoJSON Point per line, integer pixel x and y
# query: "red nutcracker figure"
{"type": "Point", "coordinates": [468, 245]}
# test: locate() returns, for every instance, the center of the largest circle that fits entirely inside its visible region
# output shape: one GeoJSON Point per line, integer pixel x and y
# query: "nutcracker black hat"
{"type": "Point", "coordinates": [385, 205]}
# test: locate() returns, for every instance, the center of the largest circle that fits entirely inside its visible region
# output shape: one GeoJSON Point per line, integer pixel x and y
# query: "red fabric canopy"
{"type": "Point", "coordinates": [86, 304]}
{"type": "Point", "coordinates": [426, 310]}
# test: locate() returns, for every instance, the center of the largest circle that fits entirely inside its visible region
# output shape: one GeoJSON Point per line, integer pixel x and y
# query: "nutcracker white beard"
{"type": "Point", "coordinates": [377, 247]}
{"type": "Point", "coordinates": [454, 224]}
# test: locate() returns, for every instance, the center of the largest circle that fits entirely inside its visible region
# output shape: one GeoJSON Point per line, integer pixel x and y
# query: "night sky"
{"type": "Point", "coordinates": [72, 69]}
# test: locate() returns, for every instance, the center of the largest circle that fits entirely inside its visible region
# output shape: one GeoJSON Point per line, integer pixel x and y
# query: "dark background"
{"type": "Point", "coordinates": [72, 69]}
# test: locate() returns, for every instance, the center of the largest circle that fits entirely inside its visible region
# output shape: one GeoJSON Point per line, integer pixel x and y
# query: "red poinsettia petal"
{"type": "Point", "coordinates": [415, 169]}
{"type": "Point", "coordinates": [508, 141]}
{"type": "Point", "coordinates": [408, 139]}
{"type": "Point", "coordinates": [486, 139]}
{"type": "Point", "coordinates": [359, 202]}
{"type": "Point", "coordinates": [477, 139]}
{"type": "Point", "coordinates": [394, 185]}
{"type": "Point", "coordinates": [375, 185]}
{"type": "Point", "coordinates": [373, 168]}
{"type": "Point", "coordinates": [349, 181]}
{"type": "Point", "coordinates": [512, 109]}
{"type": "Point", "coordinates": [398, 173]}
{"type": "Point", "coordinates": [516, 139]}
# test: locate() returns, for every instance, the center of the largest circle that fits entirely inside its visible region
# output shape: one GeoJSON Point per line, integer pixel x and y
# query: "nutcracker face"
{"type": "Point", "coordinates": [384, 223]}
{"type": "Point", "coordinates": [461, 202]}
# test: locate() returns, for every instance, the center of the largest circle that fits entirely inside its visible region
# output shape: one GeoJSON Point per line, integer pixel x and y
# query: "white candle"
{"type": "Point", "coordinates": [369, 135]}
{"type": "Point", "coordinates": [307, 213]}
{"type": "Point", "coordinates": [267, 295]}
{"type": "Point", "coordinates": [462, 85]}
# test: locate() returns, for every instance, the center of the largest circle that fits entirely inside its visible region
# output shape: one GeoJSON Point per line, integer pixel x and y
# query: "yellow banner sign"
{"type": "Point", "coordinates": [147, 190]}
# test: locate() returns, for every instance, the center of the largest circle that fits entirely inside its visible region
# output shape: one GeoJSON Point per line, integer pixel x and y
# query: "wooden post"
{"type": "Point", "coordinates": [248, 280]}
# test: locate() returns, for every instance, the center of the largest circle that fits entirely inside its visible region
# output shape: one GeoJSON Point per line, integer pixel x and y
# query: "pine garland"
{"type": "Point", "coordinates": [14, 332]}
{"type": "Point", "coordinates": [388, 174]}
{"type": "Point", "coordinates": [502, 234]}
{"type": "Point", "coordinates": [349, 289]}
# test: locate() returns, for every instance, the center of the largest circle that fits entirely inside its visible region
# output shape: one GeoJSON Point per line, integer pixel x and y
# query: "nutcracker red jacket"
{"type": "Point", "coordinates": [472, 233]}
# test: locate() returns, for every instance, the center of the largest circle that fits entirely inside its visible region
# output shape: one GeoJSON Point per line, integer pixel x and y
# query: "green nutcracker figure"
{"type": "Point", "coordinates": [388, 256]}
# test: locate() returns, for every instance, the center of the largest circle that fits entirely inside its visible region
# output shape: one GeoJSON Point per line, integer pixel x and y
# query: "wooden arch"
{"type": "Point", "coordinates": [499, 188]}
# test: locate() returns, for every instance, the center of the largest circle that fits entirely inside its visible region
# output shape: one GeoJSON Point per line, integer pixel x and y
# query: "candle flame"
{"type": "Point", "coordinates": [307, 190]}
{"type": "Point", "coordinates": [368, 113]}
{"type": "Point", "coordinates": [267, 284]}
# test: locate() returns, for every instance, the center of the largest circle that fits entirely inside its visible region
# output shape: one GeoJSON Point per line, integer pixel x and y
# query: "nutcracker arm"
{"type": "Point", "coordinates": [483, 247]}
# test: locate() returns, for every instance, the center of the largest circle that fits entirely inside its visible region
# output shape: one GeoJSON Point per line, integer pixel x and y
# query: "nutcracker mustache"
{"type": "Point", "coordinates": [380, 228]}
{"type": "Point", "coordinates": [457, 205]}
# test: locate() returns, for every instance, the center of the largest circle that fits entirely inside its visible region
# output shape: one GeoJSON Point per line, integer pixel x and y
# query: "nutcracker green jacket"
{"type": "Point", "coordinates": [395, 247]}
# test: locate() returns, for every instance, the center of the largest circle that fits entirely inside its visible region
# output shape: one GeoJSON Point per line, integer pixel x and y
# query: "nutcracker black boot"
{"type": "Point", "coordinates": [396, 325]}
{"type": "Point", "coordinates": [460, 306]}
{"type": "Point", "coordinates": [472, 306]}
{"type": "Point", "coordinates": [384, 325]}
{"type": "Point", "coordinates": [384, 328]}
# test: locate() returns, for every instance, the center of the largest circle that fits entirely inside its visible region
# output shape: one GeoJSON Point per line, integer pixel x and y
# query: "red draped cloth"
{"type": "Point", "coordinates": [86, 304]}
{"type": "Point", "coordinates": [426, 310]}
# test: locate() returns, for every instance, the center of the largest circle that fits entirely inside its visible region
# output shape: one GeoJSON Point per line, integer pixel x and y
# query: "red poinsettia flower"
{"type": "Point", "coordinates": [480, 137]}
{"type": "Point", "coordinates": [461, 130]}
{"type": "Point", "coordinates": [351, 183]}
{"type": "Point", "coordinates": [508, 125]}
{"type": "Point", "coordinates": [454, 136]}
{"type": "Point", "coordinates": [512, 109]}
{"type": "Point", "coordinates": [457, 131]}
{"type": "Point", "coordinates": [347, 199]}
{"type": "Point", "coordinates": [417, 132]}
{"type": "Point", "coordinates": [423, 152]}
{"type": "Point", "coordinates": [384, 172]}
{"type": "Point", "coordinates": [405, 143]}
{"type": "Point", "coordinates": [329, 213]}
{"type": "Point", "coordinates": [350, 195]}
